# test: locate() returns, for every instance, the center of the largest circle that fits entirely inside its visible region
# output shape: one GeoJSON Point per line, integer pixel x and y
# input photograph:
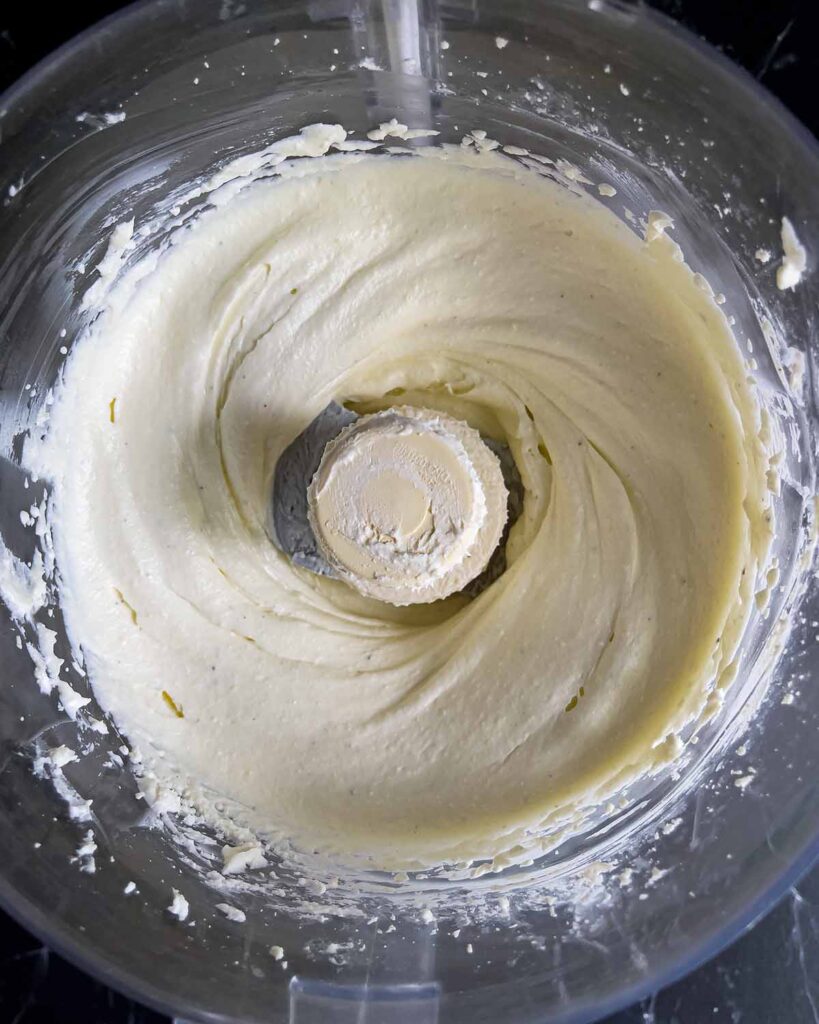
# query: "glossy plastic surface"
{"type": "Point", "coordinates": [619, 92]}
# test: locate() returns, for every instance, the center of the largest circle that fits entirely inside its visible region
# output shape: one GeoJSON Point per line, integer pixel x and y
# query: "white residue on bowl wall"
{"type": "Point", "coordinates": [85, 853]}
{"type": "Point", "coordinates": [232, 913]}
{"type": "Point", "coordinates": [794, 258]}
{"type": "Point", "coordinates": [103, 120]}
{"type": "Point", "coordinates": [246, 857]}
{"type": "Point", "coordinates": [22, 587]}
{"type": "Point", "coordinates": [179, 906]}
{"type": "Point", "coordinates": [399, 131]}
{"type": "Point", "coordinates": [25, 588]}
{"type": "Point", "coordinates": [62, 755]}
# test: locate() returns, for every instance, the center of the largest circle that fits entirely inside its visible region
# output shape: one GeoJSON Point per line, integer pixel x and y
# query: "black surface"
{"type": "Point", "coordinates": [771, 974]}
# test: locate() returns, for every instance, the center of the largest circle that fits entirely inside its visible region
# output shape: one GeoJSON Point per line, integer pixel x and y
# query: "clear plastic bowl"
{"type": "Point", "coordinates": [610, 86]}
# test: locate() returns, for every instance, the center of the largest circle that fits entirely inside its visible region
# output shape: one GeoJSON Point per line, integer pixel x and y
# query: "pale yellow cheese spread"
{"type": "Point", "coordinates": [458, 283]}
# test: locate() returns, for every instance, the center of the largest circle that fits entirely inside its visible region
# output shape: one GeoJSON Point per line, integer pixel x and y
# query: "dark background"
{"type": "Point", "coordinates": [771, 974]}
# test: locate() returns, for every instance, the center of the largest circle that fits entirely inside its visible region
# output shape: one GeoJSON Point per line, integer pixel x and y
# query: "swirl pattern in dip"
{"type": "Point", "coordinates": [454, 281]}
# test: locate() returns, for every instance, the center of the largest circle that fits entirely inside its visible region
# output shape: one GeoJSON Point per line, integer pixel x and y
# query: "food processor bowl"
{"type": "Point", "coordinates": [682, 862]}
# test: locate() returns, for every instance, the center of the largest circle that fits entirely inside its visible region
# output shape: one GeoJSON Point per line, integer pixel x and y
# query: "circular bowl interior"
{"type": "Point", "coordinates": [628, 97]}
